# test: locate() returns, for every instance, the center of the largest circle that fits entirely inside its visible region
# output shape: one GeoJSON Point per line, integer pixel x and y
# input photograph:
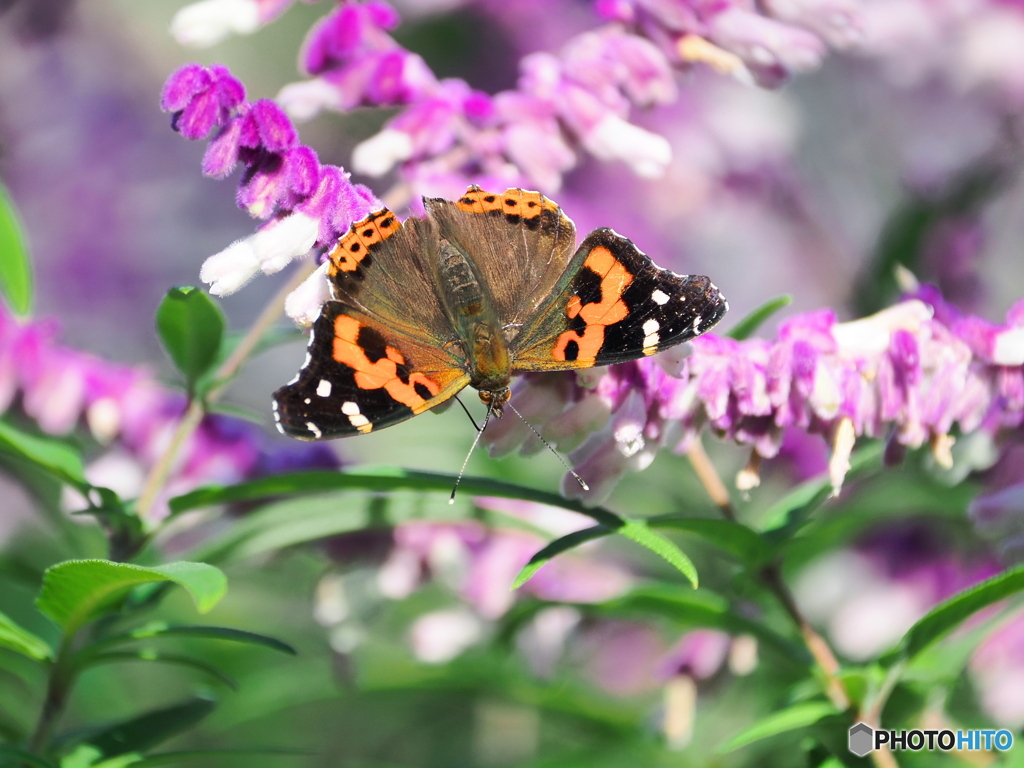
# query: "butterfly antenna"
{"type": "Point", "coordinates": [479, 433]}
{"type": "Point", "coordinates": [547, 445]}
{"type": "Point", "coordinates": [468, 414]}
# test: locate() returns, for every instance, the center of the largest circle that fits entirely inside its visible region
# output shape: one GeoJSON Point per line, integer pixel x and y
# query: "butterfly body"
{"type": "Point", "coordinates": [481, 340]}
{"type": "Point", "coordinates": [482, 288]}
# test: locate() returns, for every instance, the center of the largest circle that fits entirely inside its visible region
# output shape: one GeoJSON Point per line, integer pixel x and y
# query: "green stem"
{"type": "Point", "coordinates": [161, 470]}
{"type": "Point", "coordinates": [58, 688]}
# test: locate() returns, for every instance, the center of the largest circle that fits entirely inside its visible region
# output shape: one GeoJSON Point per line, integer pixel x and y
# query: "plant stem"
{"type": "Point", "coordinates": [193, 415]}
{"type": "Point", "coordinates": [57, 689]}
{"type": "Point", "coordinates": [771, 577]}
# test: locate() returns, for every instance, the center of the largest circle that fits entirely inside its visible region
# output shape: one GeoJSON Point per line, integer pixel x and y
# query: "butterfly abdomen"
{"type": "Point", "coordinates": [472, 312]}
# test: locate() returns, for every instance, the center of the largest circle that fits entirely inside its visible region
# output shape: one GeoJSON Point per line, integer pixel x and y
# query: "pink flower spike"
{"type": "Point", "coordinates": [183, 85]}
{"type": "Point", "coordinates": [276, 131]}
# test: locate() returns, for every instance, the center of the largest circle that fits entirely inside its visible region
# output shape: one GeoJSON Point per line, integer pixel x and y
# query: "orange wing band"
{"type": "Point", "coordinates": [513, 201]}
{"type": "Point", "coordinates": [355, 245]}
{"type": "Point", "coordinates": [611, 309]}
{"type": "Point", "coordinates": [413, 391]}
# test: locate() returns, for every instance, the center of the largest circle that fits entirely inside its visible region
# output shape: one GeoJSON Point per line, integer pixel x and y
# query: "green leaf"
{"type": "Point", "coordinates": [736, 539]}
{"type": "Point", "coordinates": [15, 266]}
{"type": "Point", "coordinates": [160, 657]}
{"type": "Point", "coordinates": [790, 719]}
{"type": "Point", "coordinates": [638, 531]}
{"type": "Point", "coordinates": [12, 756]}
{"type": "Point", "coordinates": [384, 478]}
{"type": "Point", "coordinates": [786, 516]}
{"type": "Point", "coordinates": [53, 456]}
{"type": "Point", "coordinates": [635, 530]}
{"type": "Point", "coordinates": [949, 615]}
{"type": "Point", "coordinates": [391, 479]}
{"type": "Point", "coordinates": [181, 757]}
{"type": "Point", "coordinates": [191, 328]}
{"type": "Point", "coordinates": [144, 732]}
{"type": "Point", "coordinates": [699, 608]}
{"type": "Point", "coordinates": [556, 547]}
{"type": "Point", "coordinates": [161, 629]}
{"type": "Point", "coordinates": [78, 590]}
{"type": "Point", "coordinates": [14, 638]}
{"type": "Point", "coordinates": [746, 327]}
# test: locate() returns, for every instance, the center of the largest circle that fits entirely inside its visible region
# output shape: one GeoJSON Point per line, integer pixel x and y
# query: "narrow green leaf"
{"type": "Point", "coordinates": [790, 719]}
{"type": "Point", "coordinates": [182, 757]}
{"type": "Point", "coordinates": [76, 591]}
{"type": "Point", "coordinates": [12, 756]}
{"type": "Point", "coordinates": [748, 326]}
{"type": "Point", "coordinates": [384, 478]}
{"type": "Point", "coordinates": [160, 629]}
{"type": "Point", "coordinates": [949, 615]}
{"type": "Point", "coordinates": [53, 456]}
{"type": "Point", "coordinates": [159, 657]}
{"type": "Point", "coordinates": [699, 608]}
{"type": "Point", "coordinates": [15, 638]}
{"type": "Point", "coordinates": [392, 479]}
{"type": "Point", "coordinates": [634, 530]}
{"type": "Point", "coordinates": [15, 266]}
{"type": "Point", "coordinates": [556, 547]}
{"type": "Point", "coordinates": [788, 515]}
{"type": "Point", "coordinates": [736, 539]}
{"type": "Point", "coordinates": [144, 732]}
{"type": "Point", "coordinates": [191, 328]}
{"type": "Point", "coordinates": [638, 531]}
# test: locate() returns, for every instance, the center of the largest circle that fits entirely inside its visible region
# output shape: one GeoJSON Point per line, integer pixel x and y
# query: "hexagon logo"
{"type": "Point", "coordinates": [862, 739]}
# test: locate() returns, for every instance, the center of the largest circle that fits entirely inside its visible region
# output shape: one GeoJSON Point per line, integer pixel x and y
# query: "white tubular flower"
{"type": "Point", "coordinates": [280, 241]}
{"type": "Point", "coordinates": [229, 270]}
{"type": "Point", "coordinates": [379, 154]}
{"type": "Point", "coordinates": [305, 99]}
{"type": "Point", "coordinates": [203, 24]}
{"type": "Point", "coordinates": [613, 138]}
{"type": "Point", "coordinates": [269, 250]}
{"type": "Point", "coordinates": [303, 304]}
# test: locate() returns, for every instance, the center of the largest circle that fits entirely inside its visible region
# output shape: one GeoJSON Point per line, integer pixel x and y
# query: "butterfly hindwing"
{"type": "Point", "coordinates": [612, 305]}
{"type": "Point", "coordinates": [361, 375]}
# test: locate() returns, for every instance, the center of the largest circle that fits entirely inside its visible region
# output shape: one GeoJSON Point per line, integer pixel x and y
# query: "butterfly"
{"type": "Point", "coordinates": [479, 289]}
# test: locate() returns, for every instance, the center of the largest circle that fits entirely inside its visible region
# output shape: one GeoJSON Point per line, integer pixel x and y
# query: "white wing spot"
{"type": "Point", "coordinates": [651, 337]}
{"type": "Point", "coordinates": [307, 401]}
{"type": "Point", "coordinates": [324, 388]}
{"type": "Point", "coordinates": [696, 323]}
{"type": "Point", "coordinates": [659, 296]}
{"type": "Point", "coordinates": [314, 429]}
{"type": "Point", "coordinates": [356, 419]}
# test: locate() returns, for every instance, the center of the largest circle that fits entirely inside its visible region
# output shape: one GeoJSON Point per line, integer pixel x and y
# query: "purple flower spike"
{"type": "Point", "coordinates": [900, 373]}
{"type": "Point", "coordinates": [303, 202]}
{"type": "Point", "coordinates": [201, 99]}
{"type": "Point", "coordinates": [183, 85]}
{"type": "Point", "coordinates": [276, 132]}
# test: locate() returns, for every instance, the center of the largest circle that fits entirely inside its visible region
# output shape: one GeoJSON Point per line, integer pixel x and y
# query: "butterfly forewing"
{"type": "Point", "coordinates": [360, 376]}
{"type": "Point", "coordinates": [384, 268]}
{"type": "Point", "coordinates": [520, 243]}
{"type": "Point", "coordinates": [612, 305]}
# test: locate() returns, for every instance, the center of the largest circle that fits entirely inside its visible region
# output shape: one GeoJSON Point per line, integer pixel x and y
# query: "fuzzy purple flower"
{"type": "Point", "coordinates": [304, 204]}
{"type": "Point", "coordinates": [130, 415]}
{"type": "Point", "coordinates": [903, 374]}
